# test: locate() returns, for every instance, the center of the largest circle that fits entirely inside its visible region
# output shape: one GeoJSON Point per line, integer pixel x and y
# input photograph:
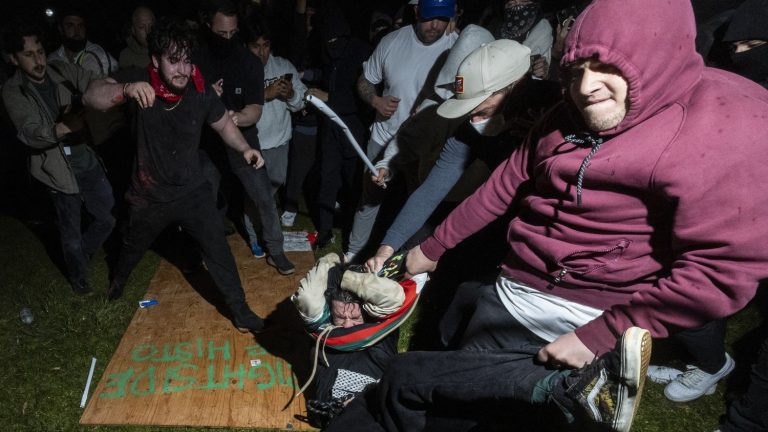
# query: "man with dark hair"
{"type": "Point", "coordinates": [77, 49]}
{"type": "Point", "coordinates": [283, 94]}
{"type": "Point", "coordinates": [238, 76]}
{"type": "Point", "coordinates": [170, 103]}
{"type": "Point", "coordinates": [43, 101]}
{"type": "Point", "coordinates": [357, 314]}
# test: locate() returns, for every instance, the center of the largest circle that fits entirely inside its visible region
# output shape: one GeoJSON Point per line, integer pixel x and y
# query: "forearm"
{"type": "Point", "coordinates": [428, 196]}
{"type": "Point", "coordinates": [104, 94]}
{"type": "Point", "coordinates": [232, 137]}
{"type": "Point", "coordinates": [366, 90]}
{"type": "Point", "coordinates": [249, 115]}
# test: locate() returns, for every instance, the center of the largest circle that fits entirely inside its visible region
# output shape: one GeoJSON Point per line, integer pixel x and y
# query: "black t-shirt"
{"type": "Point", "coordinates": [243, 76]}
{"type": "Point", "coordinates": [167, 164]}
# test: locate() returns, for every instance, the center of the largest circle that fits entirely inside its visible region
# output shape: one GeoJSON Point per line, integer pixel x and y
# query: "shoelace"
{"type": "Point", "coordinates": [321, 338]}
{"type": "Point", "coordinates": [593, 142]}
{"type": "Point", "coordinates": [692, 377]}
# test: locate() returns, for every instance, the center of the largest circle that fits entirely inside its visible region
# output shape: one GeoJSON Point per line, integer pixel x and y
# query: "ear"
{"type": "Point", "coordinates": [155, 62]}
{"type": "Point", "coordinates": [14, 62]}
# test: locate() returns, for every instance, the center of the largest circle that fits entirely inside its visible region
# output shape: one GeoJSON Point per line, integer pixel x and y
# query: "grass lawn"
{"type": "Point", "coordinates": [46, 363]}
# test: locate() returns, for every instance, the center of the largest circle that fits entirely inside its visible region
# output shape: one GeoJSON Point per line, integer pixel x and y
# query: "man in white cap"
{"type": "Point", "coordinates": [482, 86]}
{"type": "Point", "coordinates": [401, 61]}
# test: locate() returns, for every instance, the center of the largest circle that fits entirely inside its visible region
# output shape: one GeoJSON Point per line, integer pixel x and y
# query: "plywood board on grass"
{"type": "Point", "coordinates": [182, 363]}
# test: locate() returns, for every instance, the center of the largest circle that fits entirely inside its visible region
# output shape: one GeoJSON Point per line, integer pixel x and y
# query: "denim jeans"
{"type": "Point", "coordinates": [482, 384]}
{"type": "Point", "coordinates": [259, 190]}
{"type": "Point", "coordinates": [197, 215]}
{"type": "Point", "coordinates": [77, 245]}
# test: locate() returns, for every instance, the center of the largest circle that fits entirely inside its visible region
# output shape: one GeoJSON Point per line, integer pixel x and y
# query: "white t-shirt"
{"type": "Point", "coordinates": [402, 63]}
{"type": "Point", "coordinates": [275, 122]}
{"type": "Point", "coordinates": [547, 316]}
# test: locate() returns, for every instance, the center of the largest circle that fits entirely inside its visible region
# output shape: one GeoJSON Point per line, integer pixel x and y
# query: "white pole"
{"type": "Point", "coordinates": [88, 383]}
{"type": "Point", "coordinates": [325, 109]}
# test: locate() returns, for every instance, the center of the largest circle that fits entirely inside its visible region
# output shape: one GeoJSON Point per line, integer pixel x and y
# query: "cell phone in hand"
{"type": "Point", "coordinates": [288, 76]}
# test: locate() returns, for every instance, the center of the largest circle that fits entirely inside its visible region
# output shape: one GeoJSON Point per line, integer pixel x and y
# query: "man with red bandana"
{"type": "Point", "coordinates": [638, 206]}
{"type": "Point", "coordinates": [170, 102]}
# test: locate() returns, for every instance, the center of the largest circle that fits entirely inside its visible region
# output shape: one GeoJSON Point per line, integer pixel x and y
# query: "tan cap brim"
{"type": "Point", "coordinates": [455, 108]}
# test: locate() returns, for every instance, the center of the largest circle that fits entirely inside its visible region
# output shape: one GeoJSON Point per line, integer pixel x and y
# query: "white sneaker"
{"type": "Point", "coordinates": [348, 257]}
{"type": "Point", "coordinates": [695, 383]}
{"type": "Point", "coordinates": [663, 374]}
{"type": "Point", "coordinates": [288, 218]}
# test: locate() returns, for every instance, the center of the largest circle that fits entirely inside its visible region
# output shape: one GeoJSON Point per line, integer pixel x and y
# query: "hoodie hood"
{"type": "Point", "coordinates": [652, 43]}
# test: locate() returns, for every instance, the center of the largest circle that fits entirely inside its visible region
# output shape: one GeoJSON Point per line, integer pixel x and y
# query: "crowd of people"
{"type": "Point", "coordinates": [607, 156]}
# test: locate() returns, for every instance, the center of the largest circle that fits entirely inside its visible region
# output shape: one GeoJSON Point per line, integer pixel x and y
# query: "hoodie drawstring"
{"type": "Point", "coordinates": [593, 142]}
{"type": "Point", "coordinates": [321, 338]}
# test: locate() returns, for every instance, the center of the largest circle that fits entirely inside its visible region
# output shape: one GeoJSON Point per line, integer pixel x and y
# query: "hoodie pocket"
{"type": "Point", "coordinates": [588, 261]}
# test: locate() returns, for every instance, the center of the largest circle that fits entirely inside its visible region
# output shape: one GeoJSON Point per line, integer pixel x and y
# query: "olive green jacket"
{"type": "Point", "coordinates": [36, 123]}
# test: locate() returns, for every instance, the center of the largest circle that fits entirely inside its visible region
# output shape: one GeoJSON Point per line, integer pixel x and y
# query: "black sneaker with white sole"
{"type": "Point", "coordinates": [281, 263]}
{"type": "Point", "coordinates": [607, 391]}
{"type": "Point", "coordinates": [245, 320]}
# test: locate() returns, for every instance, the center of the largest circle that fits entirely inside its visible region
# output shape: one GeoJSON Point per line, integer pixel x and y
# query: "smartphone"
{"type": "Point", "coordinates": [288, 76]}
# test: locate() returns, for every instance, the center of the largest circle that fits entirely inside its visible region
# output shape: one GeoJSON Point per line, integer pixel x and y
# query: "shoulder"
{"type": "Point", "coordinates": [396, 37]}
{"type": "Point", "coordinates": [58, 69]}
{"type": "Point", "coordinates": [542, 26]}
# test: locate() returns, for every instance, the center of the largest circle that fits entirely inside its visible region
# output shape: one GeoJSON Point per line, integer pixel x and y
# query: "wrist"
{"type": "Point", "coordinates": [125, 88]}
{"type": "Point", "coordinates": [374, 102]}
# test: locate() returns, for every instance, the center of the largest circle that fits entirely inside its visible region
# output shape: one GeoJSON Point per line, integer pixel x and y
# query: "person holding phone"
{"type": "Point", "coordinates": [283, 94]}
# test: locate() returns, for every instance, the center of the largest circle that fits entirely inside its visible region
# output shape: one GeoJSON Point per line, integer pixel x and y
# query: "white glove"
{"type": "Point", "coordinates": [309, 299]}
{"type": "Point", "coordinates": [381, 296]}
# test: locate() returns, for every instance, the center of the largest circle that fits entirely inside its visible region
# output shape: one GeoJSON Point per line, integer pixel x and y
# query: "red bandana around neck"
{"type": "Point", "coordinates": [164, 93]}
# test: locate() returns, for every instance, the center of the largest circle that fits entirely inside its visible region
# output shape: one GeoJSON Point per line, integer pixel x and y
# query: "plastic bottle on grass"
{"type": "Point", "coordinates": [26, 316]}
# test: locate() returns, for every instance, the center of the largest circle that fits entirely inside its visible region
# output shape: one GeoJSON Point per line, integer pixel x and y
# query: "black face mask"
{"type": "Point", "coordinates": [73, 45]}
{"type": "Point", "coordinates": [223, 47]}
{"type": "Point", "coordinates": [519, 20]}
{"type": "Point", "coordinates": [336, 48]}
{"type": "Point", "coordinates": [752, 64]}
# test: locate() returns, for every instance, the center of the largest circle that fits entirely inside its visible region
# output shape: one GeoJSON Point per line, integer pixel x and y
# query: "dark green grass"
{"type": "Point", "coordinates": [45, 364]}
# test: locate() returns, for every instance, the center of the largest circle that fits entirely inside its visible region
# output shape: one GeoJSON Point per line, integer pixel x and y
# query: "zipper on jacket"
{"type": "Point", "coordinates": [560, 275]}
{"type": "Point", "coordinates": [621, 246]}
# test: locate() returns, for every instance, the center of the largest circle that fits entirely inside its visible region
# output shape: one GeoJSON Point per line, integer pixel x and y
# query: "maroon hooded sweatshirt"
{"type": "Point", "coordinates": [672, 230]}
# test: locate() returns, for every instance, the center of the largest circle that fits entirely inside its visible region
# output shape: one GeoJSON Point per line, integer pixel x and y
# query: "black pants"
{"type": "Point", "coordinates": [706, 345]}
{"type": "Point", "coordinates": [197, 215]}
{"type": "Point", "coordinates": [750, 412]}
{"type": "Point", "coordinates": [301, 159]}
{"type": "Point", "coordinates": [371, 361]}
{"type": "Point", "coordinates": [470, 389]}
{"type": "Point", "coordinates": [338, 167]}
{"type": "Point", "coordinates": [96, 195]}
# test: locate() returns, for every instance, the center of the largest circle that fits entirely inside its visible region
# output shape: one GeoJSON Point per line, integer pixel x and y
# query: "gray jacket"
{"type": "Point", "coordinates": [35, 123]}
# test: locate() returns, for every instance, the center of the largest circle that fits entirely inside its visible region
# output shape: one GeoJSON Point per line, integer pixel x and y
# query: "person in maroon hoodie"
{"type": "Point", "coordinates": [639, 202]}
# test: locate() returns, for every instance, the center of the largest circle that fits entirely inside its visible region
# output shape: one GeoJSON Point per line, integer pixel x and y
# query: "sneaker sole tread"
{"type": "Point", "coordinates": [632, 373]}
